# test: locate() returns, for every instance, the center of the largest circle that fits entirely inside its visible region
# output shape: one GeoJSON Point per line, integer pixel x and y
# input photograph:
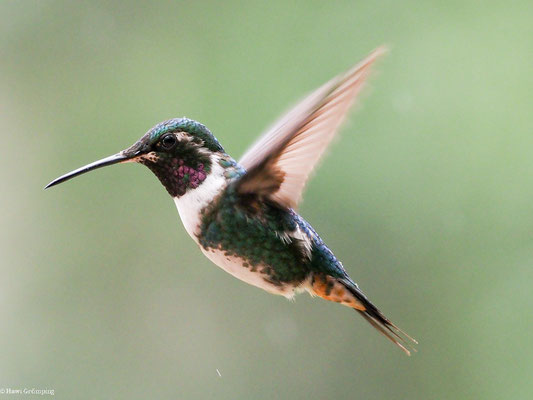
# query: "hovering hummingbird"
{"type": "Point", "coordinates": [242, 214]}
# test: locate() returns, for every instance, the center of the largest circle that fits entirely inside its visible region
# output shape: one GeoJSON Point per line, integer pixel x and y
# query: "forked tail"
{"type": "Point", "coordinates": [346, 292]}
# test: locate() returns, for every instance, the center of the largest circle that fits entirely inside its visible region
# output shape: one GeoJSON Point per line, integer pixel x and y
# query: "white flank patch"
{"type": "Point", "coordinates": [299, 235]}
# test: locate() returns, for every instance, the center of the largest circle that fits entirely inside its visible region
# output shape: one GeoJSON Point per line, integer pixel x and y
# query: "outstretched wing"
{"type": "Point", "coordinates": [279, 163]}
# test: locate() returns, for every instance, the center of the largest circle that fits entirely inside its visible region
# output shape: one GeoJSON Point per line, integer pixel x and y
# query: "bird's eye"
{"type": "Point", "coordinates": [168, 142]}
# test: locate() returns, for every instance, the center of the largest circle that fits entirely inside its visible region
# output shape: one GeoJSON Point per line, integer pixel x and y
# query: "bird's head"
{"type": "Point", "coordinates": [180, 152]}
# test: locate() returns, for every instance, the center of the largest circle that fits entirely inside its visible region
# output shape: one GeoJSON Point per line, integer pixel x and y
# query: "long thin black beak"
{"type": "Point", "coordinates": [104, 162]}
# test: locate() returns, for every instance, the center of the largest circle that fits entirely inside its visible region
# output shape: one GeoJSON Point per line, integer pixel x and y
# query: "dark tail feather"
{"type": "Point", "coordinates": [391, 332]}
{"type": "Point", "coordinates": [382, 323]}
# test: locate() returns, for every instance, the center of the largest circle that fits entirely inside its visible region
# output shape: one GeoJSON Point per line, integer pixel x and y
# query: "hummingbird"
{"type": "Point", "coordinates": [243, 215]}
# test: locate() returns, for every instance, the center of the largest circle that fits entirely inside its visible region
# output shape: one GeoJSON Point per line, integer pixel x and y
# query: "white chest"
{"type": "Point", "coordinates": [191, 203]}
{"type": "Point", "coordinates": [190, 206]}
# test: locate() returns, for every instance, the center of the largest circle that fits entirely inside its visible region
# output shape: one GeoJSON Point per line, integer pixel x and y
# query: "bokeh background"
{"type": "Point", "coordinates": [426, 198]}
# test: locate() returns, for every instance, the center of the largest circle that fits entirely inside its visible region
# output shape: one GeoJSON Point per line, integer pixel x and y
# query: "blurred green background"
{"type": "Point", "coordinates": [426, 198]}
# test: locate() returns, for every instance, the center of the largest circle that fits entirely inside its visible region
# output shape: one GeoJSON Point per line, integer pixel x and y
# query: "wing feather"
{"type": "Point", "coordinates": [279, 164]}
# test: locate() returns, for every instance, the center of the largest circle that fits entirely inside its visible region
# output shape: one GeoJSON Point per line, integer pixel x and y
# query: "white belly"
{"type": "Point", "coordinates": [234, 266]}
